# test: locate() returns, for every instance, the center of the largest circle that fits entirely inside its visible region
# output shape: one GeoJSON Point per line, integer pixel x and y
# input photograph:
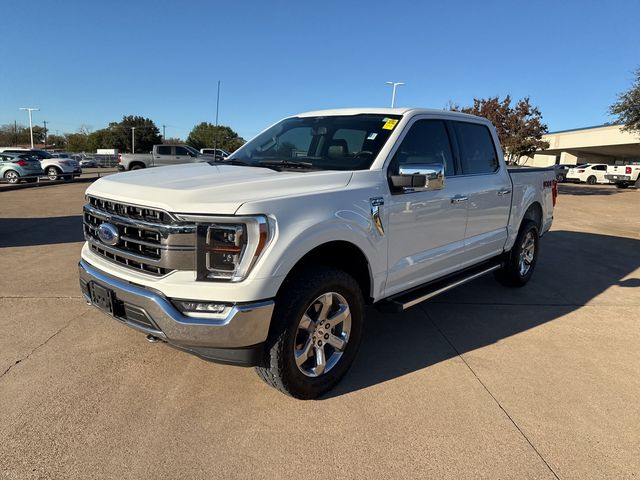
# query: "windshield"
{"type": "Point", "coordinates": [192, 150]}
{"type": "Point", "coordinates": [41, 154]}
{"type": "Point", "coordinates": [348, 142]}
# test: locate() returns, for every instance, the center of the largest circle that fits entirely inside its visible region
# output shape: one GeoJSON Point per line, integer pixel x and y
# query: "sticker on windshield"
{"type": "Point", "coordinates": [390, 124]}
{"type": "Point", "coordinates": [372, 136]}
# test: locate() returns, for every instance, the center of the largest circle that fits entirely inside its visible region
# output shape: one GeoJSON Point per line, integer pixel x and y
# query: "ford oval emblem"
{"type": "Point", "coordinates": [108, 234]}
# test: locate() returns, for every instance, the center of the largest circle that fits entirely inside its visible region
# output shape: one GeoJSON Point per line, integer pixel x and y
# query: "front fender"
{"type": "Point", "coordinates": [304, 225]}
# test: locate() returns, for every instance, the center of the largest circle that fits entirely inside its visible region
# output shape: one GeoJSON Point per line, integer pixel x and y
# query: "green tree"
{"type": "Point", "coordinates": [627, 108]}
{"type": "Point", "coordinates": [119, 135]}
{"type": "Point", "coordinates": [78, 142]}
{"type": "Point", "coordinates": [56, 141]}
{"type": "Point", "coordinates": [207, 135]}
{"type": "Point", "coordinates": [520, 128]}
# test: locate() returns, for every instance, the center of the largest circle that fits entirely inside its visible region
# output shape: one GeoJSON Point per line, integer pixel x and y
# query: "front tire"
{"type": "Point", "coordinates": [522, 259]}
{"type": "Point", "coordinates": [52, 173]}
{"type": "Point", "coordinates": [315, 333]}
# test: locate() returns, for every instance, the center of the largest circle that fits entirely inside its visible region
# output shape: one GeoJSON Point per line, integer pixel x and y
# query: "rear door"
{"type": "Point", "coordinates": [490, 190]}
{"type": "Point", "coordinates": [425, 228]}
{"type": "Point", "coordinates": [600, 171]}
{"type": "Point", "coordinates": [164, 155]}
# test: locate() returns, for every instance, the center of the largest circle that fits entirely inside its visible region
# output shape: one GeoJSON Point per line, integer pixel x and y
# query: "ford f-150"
{"type": "Point", "coordinates": [268, 257]}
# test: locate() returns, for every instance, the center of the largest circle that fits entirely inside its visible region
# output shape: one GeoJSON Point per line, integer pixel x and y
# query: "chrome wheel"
{"type": "Point", "coordinates": [527, 253]}
{"type": "Point", "coordinates": [52, 173]}
{"type": "Point", "coordinates": [322, 334]}
{"type": "Point", "coordinates": [11, 177]}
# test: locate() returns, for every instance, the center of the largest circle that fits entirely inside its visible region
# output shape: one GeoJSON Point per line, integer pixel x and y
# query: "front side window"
{"type": "Point", "coordinates": [477, 151]}
{"type": "Point", "coordinates": [181, 151]}
{"type": "Point", "coordinates": [426, 142]}
{"type": "Point", "coordinates": [340, 142]}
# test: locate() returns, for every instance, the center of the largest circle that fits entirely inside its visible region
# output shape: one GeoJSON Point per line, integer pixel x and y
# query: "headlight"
{"type": "Point", "coordinates": [226, 252]}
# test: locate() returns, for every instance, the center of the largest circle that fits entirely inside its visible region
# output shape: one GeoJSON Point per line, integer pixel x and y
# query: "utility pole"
{"type": "Point", "coordinates": [218, 103]}
{"type": "Point", "coordinates": [393, 95]}
{"type": "Point", "coordinates": [133, 139]}
{"type": "Point", "coordinates": [164, 133]}
{"type": "Point", "coordinates": [15, 133]}
{"type": "Point", "coordinates": [29, 109]}
{"type": "Point", "coordinates": [45, 134]}
{"type": "Point", "coordinates": [215, 139]}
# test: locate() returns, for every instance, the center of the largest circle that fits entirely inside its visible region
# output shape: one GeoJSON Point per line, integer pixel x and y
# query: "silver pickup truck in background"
{"type": "Point", "coordinates": [161, 155]}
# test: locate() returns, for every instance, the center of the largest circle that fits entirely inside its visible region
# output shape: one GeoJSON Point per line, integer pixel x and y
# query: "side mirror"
{"type": "Point", "coordinates": [419, 177]}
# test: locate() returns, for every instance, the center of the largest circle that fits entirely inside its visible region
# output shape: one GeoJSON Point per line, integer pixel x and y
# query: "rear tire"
{"type": "Point", "coordinates": [522, 259]}
{"type": "Point", "coordinates": [137, 166]}
{"type": "Point", "coordinates": [315, 332]}
{"type": "Point", "coordinates": [622, 185]}
{"type": "Point", "coordinates": [12, 177]}
{"type": "Point", "coordinates": [591, 179]}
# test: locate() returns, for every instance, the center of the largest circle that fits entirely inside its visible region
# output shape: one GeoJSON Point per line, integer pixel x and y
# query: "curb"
{"type": "Point", "coordinates": [48, 183]}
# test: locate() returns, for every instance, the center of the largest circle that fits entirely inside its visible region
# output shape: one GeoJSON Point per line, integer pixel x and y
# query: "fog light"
{"type": "Point", "coordinates": [193, 308]}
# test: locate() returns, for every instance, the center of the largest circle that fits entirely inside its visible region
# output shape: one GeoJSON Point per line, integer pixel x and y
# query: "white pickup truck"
{"type": "Point", "coordinates": [269, 257]}
{"type": "Point", "coordinates": [624, 175]}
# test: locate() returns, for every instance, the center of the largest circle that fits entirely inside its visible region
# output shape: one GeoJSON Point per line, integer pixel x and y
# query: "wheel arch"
{"type": "Point", "coordinates": [533, 213]}
{"type": "Point", "coordinates": [340, 254]}
{"type": "Point", "coordinates": [137, 163]}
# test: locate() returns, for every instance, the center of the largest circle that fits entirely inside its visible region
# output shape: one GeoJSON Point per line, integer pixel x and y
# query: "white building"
{"type": "Point", "coordinates": [602, 144]}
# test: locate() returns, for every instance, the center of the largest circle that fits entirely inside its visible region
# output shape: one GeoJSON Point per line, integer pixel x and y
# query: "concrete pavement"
{"type": "Point", "coordinates": [483, 382]}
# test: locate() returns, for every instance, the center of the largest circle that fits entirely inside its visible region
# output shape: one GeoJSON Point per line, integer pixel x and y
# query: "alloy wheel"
{"type": "Point", "coordinates": [322, 334]}
{"type": "Point", "coordinates": [527, 253]}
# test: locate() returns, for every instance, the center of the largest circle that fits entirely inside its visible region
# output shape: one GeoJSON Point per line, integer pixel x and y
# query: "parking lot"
{"type": "Point", "coordinates": [482, 382]}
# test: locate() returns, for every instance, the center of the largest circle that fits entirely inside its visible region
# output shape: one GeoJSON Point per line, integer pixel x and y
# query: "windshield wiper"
{"type": "Point", "coordinates": [240, 163]}
{"type": "Point", "coordinates": [288, 164]}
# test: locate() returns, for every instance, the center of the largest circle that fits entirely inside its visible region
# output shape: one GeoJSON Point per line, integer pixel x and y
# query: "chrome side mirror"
{"type": "Point", "coordinates": [419, 177]}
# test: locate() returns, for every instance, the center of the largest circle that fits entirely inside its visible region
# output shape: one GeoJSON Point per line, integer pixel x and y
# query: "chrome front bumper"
{"type": "Point", "coordinates": [236, 338]}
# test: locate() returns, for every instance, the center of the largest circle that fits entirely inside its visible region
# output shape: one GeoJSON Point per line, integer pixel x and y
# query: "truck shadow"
{"type": "Point", "coordinates": [588, 190]}
{"type": "Point", "coordinates": [570, 273]}
{"type": "Point", "coordinates": [25, 232]}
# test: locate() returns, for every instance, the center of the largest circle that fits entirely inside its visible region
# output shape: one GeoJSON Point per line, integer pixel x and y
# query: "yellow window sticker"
{"type": "Point", "coordinates": [390, 124]}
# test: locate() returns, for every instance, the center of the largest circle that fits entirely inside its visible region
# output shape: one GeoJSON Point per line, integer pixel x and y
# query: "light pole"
{"type": "Point", "coordinates": [133, 139]}
{"type": "Point", "coordinates": [29, 109]}
{"type": "Point", "coordinates": [393, 95]}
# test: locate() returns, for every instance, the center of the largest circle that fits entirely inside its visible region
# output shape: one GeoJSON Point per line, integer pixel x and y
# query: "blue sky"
{"type": "Point", "coordinates": [89, 63]}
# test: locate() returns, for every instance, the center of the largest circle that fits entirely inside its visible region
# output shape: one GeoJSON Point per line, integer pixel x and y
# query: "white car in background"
{"type": "Point", "coordinates": [590, 173]}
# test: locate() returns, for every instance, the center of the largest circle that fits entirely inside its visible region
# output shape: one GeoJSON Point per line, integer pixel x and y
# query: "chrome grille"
{"type": "Point", "coordinates": [131, 211]}
{"type": "Point", "coordinates": [152, 247]}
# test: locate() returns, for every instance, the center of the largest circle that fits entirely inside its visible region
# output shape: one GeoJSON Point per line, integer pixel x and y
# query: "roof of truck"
{"type": "Point", "coordinates": [384, 111]}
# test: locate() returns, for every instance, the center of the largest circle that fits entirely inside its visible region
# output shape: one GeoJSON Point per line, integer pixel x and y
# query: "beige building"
{"type": "Point", "coordinates": [603, 144]}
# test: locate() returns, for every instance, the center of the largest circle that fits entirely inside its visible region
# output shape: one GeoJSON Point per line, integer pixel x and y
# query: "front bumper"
{"type": "Point", "coordinates": [237, 338]}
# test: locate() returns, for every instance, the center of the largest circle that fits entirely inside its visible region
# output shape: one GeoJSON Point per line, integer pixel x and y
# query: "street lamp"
{"type": "Point", "coordinates": [29, 109]}
{"type": "Point", "coordinates": [393, 95]}
{"type": "Point", "coordinates": [133, 139]}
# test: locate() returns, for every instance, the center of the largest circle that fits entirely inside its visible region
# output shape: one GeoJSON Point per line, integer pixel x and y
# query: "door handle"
{"type": "Point", "coordinates": [506, 191]}
{"type": "Point", "coordinates": [459, 199]}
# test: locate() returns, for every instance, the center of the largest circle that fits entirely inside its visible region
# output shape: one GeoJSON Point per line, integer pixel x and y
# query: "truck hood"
{"type": "Point", "coordinates": [202, 188]}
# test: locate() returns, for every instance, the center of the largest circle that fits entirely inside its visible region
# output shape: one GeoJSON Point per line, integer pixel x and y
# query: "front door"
{"type": "Point", "coordinates": [425, 229]}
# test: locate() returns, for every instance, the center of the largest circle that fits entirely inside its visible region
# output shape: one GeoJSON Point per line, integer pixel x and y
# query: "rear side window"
{"type": "Point", "coordinates": [163, 150]}
{"type": "Point", "coordinates": [426, 142]}
{"type": "Point", "coordinates": [477, 151]}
